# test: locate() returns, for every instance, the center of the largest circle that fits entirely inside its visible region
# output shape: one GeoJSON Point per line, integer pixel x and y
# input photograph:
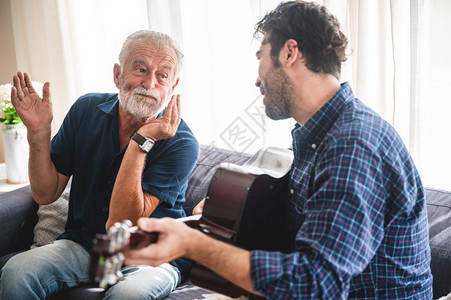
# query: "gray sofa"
{"type": "Point", "coordinates": [18, 218]}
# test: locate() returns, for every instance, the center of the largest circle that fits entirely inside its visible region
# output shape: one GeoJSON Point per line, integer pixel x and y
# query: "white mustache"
{"type": "Point", "coordinates": [142, 91]}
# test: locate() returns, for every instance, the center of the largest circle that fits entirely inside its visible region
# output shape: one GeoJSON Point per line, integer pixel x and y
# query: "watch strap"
{"type": "Point", "coordinates": [144, 143]}
{"type": "Point", "coordinates": [138, 138]}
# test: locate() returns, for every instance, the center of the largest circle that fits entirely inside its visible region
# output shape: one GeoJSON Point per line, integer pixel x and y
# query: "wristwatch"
{"type": "Point", "coordinates": [144, 143]}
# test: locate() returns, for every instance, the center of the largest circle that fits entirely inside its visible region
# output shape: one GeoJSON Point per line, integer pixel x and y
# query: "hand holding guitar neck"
{"type": "Point", "coordinates": [245, 206]}
{"type": "Point", "coordinates": [107, 258]}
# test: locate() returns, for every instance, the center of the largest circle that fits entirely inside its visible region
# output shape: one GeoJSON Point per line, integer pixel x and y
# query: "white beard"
{"type": "Point", "coordinates": [141, 107]}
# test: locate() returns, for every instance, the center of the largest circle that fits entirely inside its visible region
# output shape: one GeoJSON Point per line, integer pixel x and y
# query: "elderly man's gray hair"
{"type": "Point", "coordinates": [153, 37]}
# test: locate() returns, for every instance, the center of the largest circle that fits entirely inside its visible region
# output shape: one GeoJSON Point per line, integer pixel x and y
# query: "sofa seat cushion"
{"type": "Point", "coordinates": [439, 218]}
{"type": "Point", "coordinates": [5, 258]}
{"type": "Point", "coordinates": [89, 291]}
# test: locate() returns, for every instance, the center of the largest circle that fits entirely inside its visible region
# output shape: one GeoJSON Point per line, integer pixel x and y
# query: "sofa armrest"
{"type": "Point", "coordinates": [17, 220]}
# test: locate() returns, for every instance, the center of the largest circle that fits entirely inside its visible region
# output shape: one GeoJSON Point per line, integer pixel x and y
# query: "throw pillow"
{"type": "Point", "coordinates": [51, 219]}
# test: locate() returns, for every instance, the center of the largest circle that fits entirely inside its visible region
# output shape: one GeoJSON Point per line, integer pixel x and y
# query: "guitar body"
{"type": "Point", "coordinates": [245, 210]}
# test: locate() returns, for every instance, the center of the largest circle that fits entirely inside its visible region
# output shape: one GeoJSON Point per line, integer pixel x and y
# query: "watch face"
{"type": "Point", "coordinates": [146, 146]}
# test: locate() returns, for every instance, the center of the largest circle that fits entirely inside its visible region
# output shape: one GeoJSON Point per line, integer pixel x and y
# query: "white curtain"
{"type": "Point", "coordinates": [73, 44]}
{"type": "Point", "coordinates": [432, 144]}
{"type": "Point", "coordinates": [400, 57]}
{"type": "Point", "coordinates": [398, 65]}
{"type": "Point", "coordinates": [219, 100]}
{"type": "Point", "coordinates": [40, 51]}
{"type": "Point", "coordinates": [225, 108]}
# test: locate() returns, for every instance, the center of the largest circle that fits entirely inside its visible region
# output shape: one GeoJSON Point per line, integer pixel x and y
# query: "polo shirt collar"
{"type": "Point", "coordinates": [111, 106]}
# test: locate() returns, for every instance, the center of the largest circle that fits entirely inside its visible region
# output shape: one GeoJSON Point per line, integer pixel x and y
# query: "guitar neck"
{"type": "Point", "coordinates": [140, 239]}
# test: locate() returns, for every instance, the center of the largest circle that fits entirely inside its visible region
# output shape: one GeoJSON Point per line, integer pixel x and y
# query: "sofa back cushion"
{"type": "Point", "coordinates": [52, 219]}
{"type": "Point", "coordinates": [439, 218]}
{"type": "Point", "coordinates": [209, 160]}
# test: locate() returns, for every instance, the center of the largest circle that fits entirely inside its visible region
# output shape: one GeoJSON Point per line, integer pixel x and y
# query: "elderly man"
{"type": "Point", "coordinates": [128, 159]}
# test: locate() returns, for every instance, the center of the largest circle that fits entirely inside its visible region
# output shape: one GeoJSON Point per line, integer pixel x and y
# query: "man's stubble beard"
{"type": "Point", "coordinates": [278, 94]}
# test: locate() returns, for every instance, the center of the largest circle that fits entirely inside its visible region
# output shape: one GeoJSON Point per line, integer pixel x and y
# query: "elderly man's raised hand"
{"type": "Point", "coordinates": [36, 113]}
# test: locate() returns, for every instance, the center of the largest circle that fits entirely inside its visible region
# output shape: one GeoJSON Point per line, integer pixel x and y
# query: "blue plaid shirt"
{"type": "Point", "coordinates": [356, 213]}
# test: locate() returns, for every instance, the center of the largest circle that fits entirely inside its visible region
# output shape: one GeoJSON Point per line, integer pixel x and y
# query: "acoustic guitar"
{"type": "Point", "coordinates": [245, 210]}
{"type": "Point", "coordinates": [245, 206]}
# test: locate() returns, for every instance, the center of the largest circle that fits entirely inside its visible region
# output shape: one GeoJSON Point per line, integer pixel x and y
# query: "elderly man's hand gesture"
{"type": "Point", "coordinates": [36, 113]}
{"type": "Point", "coordinates": [166, 126]}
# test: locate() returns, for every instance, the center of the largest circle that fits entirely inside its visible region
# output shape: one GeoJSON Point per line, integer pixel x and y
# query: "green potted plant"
{"type": "Point", "coordinates": [8, 112]}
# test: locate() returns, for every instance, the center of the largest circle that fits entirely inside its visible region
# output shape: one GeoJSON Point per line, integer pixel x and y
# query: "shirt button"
{"type": "Point", "coordinates": [314, 146]}
{"type": "Point", "coordinates": [291, 191]}
{"type": "Point", "coordinates": [105, 209]}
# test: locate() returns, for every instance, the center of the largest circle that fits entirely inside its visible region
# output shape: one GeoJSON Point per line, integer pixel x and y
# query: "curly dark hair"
{"type": "Point", "coordinates": [316, 31]}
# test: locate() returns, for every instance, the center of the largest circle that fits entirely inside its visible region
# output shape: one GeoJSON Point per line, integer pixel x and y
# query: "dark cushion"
{"type": "Point", "coordinates": [89, 291]}
{"type": "Point", "coordinates": [85, 291]}
{"type": "Point", "coordinates": [439, 217]}
{"type": "Point", "coordinates": [17, 219]}
{"type": "Point", "coordinates": [187, 291]}
{"type": "Point", "coordinates": [6, 257]}
{"type": "Point", "coordinates": [209, 160]}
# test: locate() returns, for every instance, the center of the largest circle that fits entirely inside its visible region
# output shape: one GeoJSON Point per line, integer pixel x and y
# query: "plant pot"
{"type": "Point", "coordinates": [16, 151]}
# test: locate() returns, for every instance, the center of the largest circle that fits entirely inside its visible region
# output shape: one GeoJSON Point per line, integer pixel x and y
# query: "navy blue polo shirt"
{"type": "Point", "coordinates": [87, 147]}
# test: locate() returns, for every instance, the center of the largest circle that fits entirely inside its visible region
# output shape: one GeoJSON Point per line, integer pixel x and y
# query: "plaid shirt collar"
{"type": "Point", "coordinates": [316, 128]}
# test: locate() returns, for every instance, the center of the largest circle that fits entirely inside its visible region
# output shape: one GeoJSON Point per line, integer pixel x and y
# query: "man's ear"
{"type": "Point", "coordinates": [290, 53]}
{"type": "Point", "coordinates": [176, 82]}
{"type": "Point", "coordinates": [117, 74]}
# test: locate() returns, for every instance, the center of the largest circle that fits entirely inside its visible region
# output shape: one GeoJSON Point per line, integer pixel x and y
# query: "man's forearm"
{"type": "Point", "coordinates": [128, 199]}
{"type": "Point", "coordinates": [230, 262]}
{"type": "Point", "coordinates": [45, 183]}
{"type": "Point", "coordinates": [177, 240]}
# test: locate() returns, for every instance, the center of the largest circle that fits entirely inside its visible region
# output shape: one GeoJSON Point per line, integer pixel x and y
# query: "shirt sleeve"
{"type": "Point", "coordinates": [342, 229]}
{"type": "Point", "coordinates": [168, 167]}
{"type": "Point", "coordinates": [63, 143]}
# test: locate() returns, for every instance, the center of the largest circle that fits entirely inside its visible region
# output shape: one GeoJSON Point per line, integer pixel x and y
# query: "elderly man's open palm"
{"type": "Point", "coordinates": [36, 113]}
{"type": "Point", "coordinates": [166, 126]}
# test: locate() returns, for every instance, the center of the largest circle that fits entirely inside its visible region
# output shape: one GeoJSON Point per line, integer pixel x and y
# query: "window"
{"type": "Point", "coordinates": [399, 65]}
